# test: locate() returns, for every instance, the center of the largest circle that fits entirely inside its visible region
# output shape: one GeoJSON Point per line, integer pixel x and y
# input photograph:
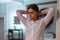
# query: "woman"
{"type": "Point", "coordinates": [35, 26]}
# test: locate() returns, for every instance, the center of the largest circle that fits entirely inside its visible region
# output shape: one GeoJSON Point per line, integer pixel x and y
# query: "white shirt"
{"type": "Point", "coordinates": [35, 29]}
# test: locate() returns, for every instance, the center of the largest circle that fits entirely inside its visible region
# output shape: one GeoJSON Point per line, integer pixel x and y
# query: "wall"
{"type": "Point", "coordinates": [58, 22]}
{"type": "Point", "coordinates": [2, 10]}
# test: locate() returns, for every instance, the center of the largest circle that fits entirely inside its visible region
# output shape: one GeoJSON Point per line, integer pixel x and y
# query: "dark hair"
{"type": "Point", "coordinates": [34, 7]}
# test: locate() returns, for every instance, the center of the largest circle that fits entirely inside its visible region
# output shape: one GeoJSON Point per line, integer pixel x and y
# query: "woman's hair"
{"type": "Point", "coordinates": [34, 7]}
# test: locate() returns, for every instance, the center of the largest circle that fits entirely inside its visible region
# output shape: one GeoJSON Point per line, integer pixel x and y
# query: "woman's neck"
{"type": "Point", "coordinates": [35, 19]}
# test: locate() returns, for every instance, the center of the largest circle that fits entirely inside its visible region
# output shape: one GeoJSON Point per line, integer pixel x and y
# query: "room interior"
{"type": "Point", "coordinates": [13, 29]}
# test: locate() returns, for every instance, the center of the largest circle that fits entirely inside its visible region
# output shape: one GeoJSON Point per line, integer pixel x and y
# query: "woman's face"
{"type": "Point", "coordinates": [32, 13]}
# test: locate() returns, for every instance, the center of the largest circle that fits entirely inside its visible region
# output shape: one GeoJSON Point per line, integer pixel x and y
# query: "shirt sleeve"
{"type": "Point", "coordinates": [49, 16]}
{"type": "Point", "coordinates": [22, 18]}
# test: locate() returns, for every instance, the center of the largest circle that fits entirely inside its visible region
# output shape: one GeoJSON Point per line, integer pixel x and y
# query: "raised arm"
{"type": "Point", "coordinates": [49, 16]}
{"type": "Point", "coordinates": [20, 17]}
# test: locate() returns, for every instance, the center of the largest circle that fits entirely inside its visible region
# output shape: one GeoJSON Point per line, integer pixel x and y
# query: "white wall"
{"type": "Point", "coordinates": [2, 10]}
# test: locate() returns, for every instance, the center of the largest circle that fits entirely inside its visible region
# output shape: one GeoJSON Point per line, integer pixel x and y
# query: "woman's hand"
{"type": "Point", "coordinates": [45, 11]}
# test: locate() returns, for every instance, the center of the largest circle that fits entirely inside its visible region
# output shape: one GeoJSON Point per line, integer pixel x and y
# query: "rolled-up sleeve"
{"type": "Point", "coordinates": [49, 16]}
